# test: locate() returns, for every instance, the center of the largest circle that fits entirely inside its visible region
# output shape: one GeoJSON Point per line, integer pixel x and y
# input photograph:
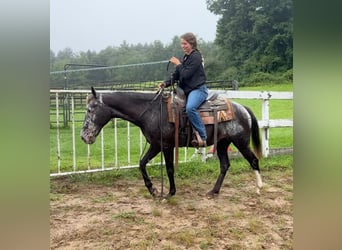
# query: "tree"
{"type": "Point", "coordinates": [255, 35]}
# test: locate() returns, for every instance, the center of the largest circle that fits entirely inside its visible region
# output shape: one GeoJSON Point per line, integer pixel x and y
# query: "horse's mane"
{"type": "Point", "coordinates": [128, 94]}
{"type": "Point", "coordinates": [135, 95]}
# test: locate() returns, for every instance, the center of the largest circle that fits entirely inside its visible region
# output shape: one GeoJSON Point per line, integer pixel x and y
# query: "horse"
{"type": "Point", "coordinates": [148, 111]}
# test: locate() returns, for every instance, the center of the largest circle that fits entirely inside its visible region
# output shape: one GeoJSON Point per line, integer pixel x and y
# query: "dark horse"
{"type": "Point", "coordinates": [149, 112]}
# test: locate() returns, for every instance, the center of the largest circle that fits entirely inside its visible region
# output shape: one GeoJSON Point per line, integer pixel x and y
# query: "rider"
{"type": "Point", "coordinates": [192, 80]}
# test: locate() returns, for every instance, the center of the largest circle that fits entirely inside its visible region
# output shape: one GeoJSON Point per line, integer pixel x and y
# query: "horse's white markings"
{"type": "Point", "coordinates": [89, 131]}
{"type": "Point", "coordinates": [234, 126]}
{"type": "Point", "coordinates": [259, 181]}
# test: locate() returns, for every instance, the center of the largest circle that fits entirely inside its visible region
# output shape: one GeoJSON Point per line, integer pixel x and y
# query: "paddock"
{"type": "Point", "coordinates": [102, 209]}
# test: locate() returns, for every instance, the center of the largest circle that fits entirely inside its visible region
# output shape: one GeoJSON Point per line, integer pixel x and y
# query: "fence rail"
{"type": "Point", "coordinates": [73, 99]}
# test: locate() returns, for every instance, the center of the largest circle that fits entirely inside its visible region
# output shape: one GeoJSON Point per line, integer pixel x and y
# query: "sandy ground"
{"type": "Point", "coordinates": [124, 216]}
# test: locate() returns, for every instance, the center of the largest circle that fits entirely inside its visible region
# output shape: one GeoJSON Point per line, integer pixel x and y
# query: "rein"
{"type": "Point", "coordinates": [159, 92]}
{"type": "Point", "coordinates": [161, 142]}
{"type": "Point", "coordinates": [150, 103]}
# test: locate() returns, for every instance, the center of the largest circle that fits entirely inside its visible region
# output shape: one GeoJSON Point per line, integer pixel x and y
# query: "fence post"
{"type": "Point", "coordinates": [128, 144]}
{"type": "Point", "coordinates": [73, 132]}
{"type": "Point", "coordinates": [115, 142]}
{"type": "Point", "coordinates": [58, 137]}
{"type": "Point", "coordinates": [65, 110]}
{"type": "Point", "coordinates": [102, 149]}
{"type": "Point", "coordinates": [235, 85]}
{"type": "Point", "coordinates": [265, 130]}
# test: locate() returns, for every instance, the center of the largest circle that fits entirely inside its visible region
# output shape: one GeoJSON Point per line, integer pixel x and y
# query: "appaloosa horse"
{"type": "Point", "coordinates": [149, 112]}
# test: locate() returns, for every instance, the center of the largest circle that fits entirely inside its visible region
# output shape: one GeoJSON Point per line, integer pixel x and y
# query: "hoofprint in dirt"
{"type": "Point", "coordinates": [123, 216]}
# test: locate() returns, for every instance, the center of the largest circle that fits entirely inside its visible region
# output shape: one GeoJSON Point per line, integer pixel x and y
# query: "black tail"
{"type": "Point", "coordinates": [255, 135]}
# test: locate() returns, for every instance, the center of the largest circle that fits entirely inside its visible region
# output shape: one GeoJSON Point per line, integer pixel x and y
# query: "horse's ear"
{"type": "Point", "coordinates": [93, 91]}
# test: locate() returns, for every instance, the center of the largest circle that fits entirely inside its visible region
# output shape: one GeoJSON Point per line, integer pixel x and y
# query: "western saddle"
{"type": "Point", "coordinates": [214, 110]}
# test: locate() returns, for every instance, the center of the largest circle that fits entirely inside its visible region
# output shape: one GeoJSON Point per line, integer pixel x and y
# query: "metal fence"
{"type": "Point", "coordinates": [67, 109]}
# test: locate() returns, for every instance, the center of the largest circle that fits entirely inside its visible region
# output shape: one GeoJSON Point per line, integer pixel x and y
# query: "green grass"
{"type": "Point", "coordinates": [279, 137]}
{"type": "Point", "coordinates": [186, 174]}
{"type": "Point", "coordinates": [66, 156]}
{"type": "Point", "coordinates": [270, 87]}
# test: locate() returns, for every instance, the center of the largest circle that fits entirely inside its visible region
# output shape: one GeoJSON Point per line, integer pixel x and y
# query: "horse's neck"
{"type": "Point", "coordinates": [127, 106]}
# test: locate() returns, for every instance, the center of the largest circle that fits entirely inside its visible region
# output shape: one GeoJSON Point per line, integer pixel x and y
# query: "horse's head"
{"type": "Point", "coordinates": [97, 115]}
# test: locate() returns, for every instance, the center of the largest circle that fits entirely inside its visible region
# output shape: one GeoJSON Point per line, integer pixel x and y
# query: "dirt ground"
{"type": "Point", "coordinates": [124, 216]}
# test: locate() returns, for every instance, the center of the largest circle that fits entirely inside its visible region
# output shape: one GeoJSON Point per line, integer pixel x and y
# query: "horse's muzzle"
{"type": "Point", "coordinates": [87, 138]}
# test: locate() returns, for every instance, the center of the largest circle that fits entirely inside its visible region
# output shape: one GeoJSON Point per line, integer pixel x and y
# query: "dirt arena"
{"type": "Point", "coordinates": [123, 215]}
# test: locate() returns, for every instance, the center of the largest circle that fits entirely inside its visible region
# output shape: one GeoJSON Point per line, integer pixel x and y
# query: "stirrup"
{"type": "Point", "coordinates": [197, 141]}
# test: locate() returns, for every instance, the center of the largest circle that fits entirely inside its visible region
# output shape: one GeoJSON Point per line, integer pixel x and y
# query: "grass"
{"type": "Point", "coordinates": [279, 137]}
{"type": "Point", "coordinates": [187, 173]}
{"type": "Point", "coordinates": [270, 87]}
{"type": "Point", "coordinates": [125, 145]}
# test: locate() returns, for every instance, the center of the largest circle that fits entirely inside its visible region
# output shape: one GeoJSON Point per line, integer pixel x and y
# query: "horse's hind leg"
{"type": "Point", "coordinates": [224, 166]}
{"type": "Point", "coordinates": [253, 162]}
{"type": "Point", "coordinates": [150, 154]}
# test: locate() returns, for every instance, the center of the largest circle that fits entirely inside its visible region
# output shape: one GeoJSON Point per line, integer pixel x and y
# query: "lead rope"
{"type": "Point", "coordinates": [159, 93]}
{"type": "Point", "coordinates": [161, 133]}
{"type": "Point", "coordinates": [161, 146]}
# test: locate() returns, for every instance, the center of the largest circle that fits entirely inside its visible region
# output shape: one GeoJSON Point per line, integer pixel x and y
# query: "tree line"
{"type": "Point", "coordinates": [254, 43]}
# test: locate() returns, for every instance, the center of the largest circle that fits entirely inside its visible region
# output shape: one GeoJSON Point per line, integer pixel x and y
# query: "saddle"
{"type": "Point", "coordinates": [214, 110]}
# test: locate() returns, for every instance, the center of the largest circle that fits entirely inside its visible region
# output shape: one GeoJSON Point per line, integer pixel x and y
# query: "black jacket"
{"type": "Point", "coordinates": [190, 73]}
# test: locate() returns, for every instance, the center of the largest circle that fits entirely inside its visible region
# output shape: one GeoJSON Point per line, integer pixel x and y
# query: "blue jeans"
{"type": "Point", "coordinates": [195, 98]}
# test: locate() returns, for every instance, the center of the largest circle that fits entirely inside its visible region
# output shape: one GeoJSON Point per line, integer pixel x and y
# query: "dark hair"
{"type": "Point", "coordinates": [191, 39]}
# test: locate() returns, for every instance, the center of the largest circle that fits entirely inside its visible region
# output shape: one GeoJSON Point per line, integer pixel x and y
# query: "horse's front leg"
{"type": "Point", "coordinates": [168, 155]}
{"type": "Point", "coordinates": [151, 153]}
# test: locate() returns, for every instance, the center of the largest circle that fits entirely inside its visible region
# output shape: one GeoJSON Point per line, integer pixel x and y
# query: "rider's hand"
{"type": "Point", "coordinates": [161, 85]}
{"type": "Point", "coordinates": [175, 61]}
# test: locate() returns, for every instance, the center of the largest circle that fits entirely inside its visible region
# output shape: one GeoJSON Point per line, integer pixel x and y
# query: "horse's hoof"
{"type": "Point", "coordinates": [165, 199]}
{"type": "Point", "coordinates": [211, 195]}
{"type": "Point", "coordinates": [154, 192]}
{"type": "Point", "coordinates": [168, 196]}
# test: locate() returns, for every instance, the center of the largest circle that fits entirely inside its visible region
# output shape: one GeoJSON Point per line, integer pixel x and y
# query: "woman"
{"type": "Point", "coordinates": [190, 74]}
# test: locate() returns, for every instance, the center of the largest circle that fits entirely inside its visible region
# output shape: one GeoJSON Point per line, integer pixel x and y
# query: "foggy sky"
{"type": "Point", "coordinates": [84, 25]}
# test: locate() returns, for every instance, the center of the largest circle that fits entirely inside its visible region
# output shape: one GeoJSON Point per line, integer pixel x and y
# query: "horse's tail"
{"type": "Point", "coordinates": [255, 134]}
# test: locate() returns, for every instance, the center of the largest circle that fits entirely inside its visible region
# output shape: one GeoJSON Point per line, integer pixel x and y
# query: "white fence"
{"type": "Point", "coordinates": [265, 123]}
{"type": "Point", "coordinates": [63, 104]}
